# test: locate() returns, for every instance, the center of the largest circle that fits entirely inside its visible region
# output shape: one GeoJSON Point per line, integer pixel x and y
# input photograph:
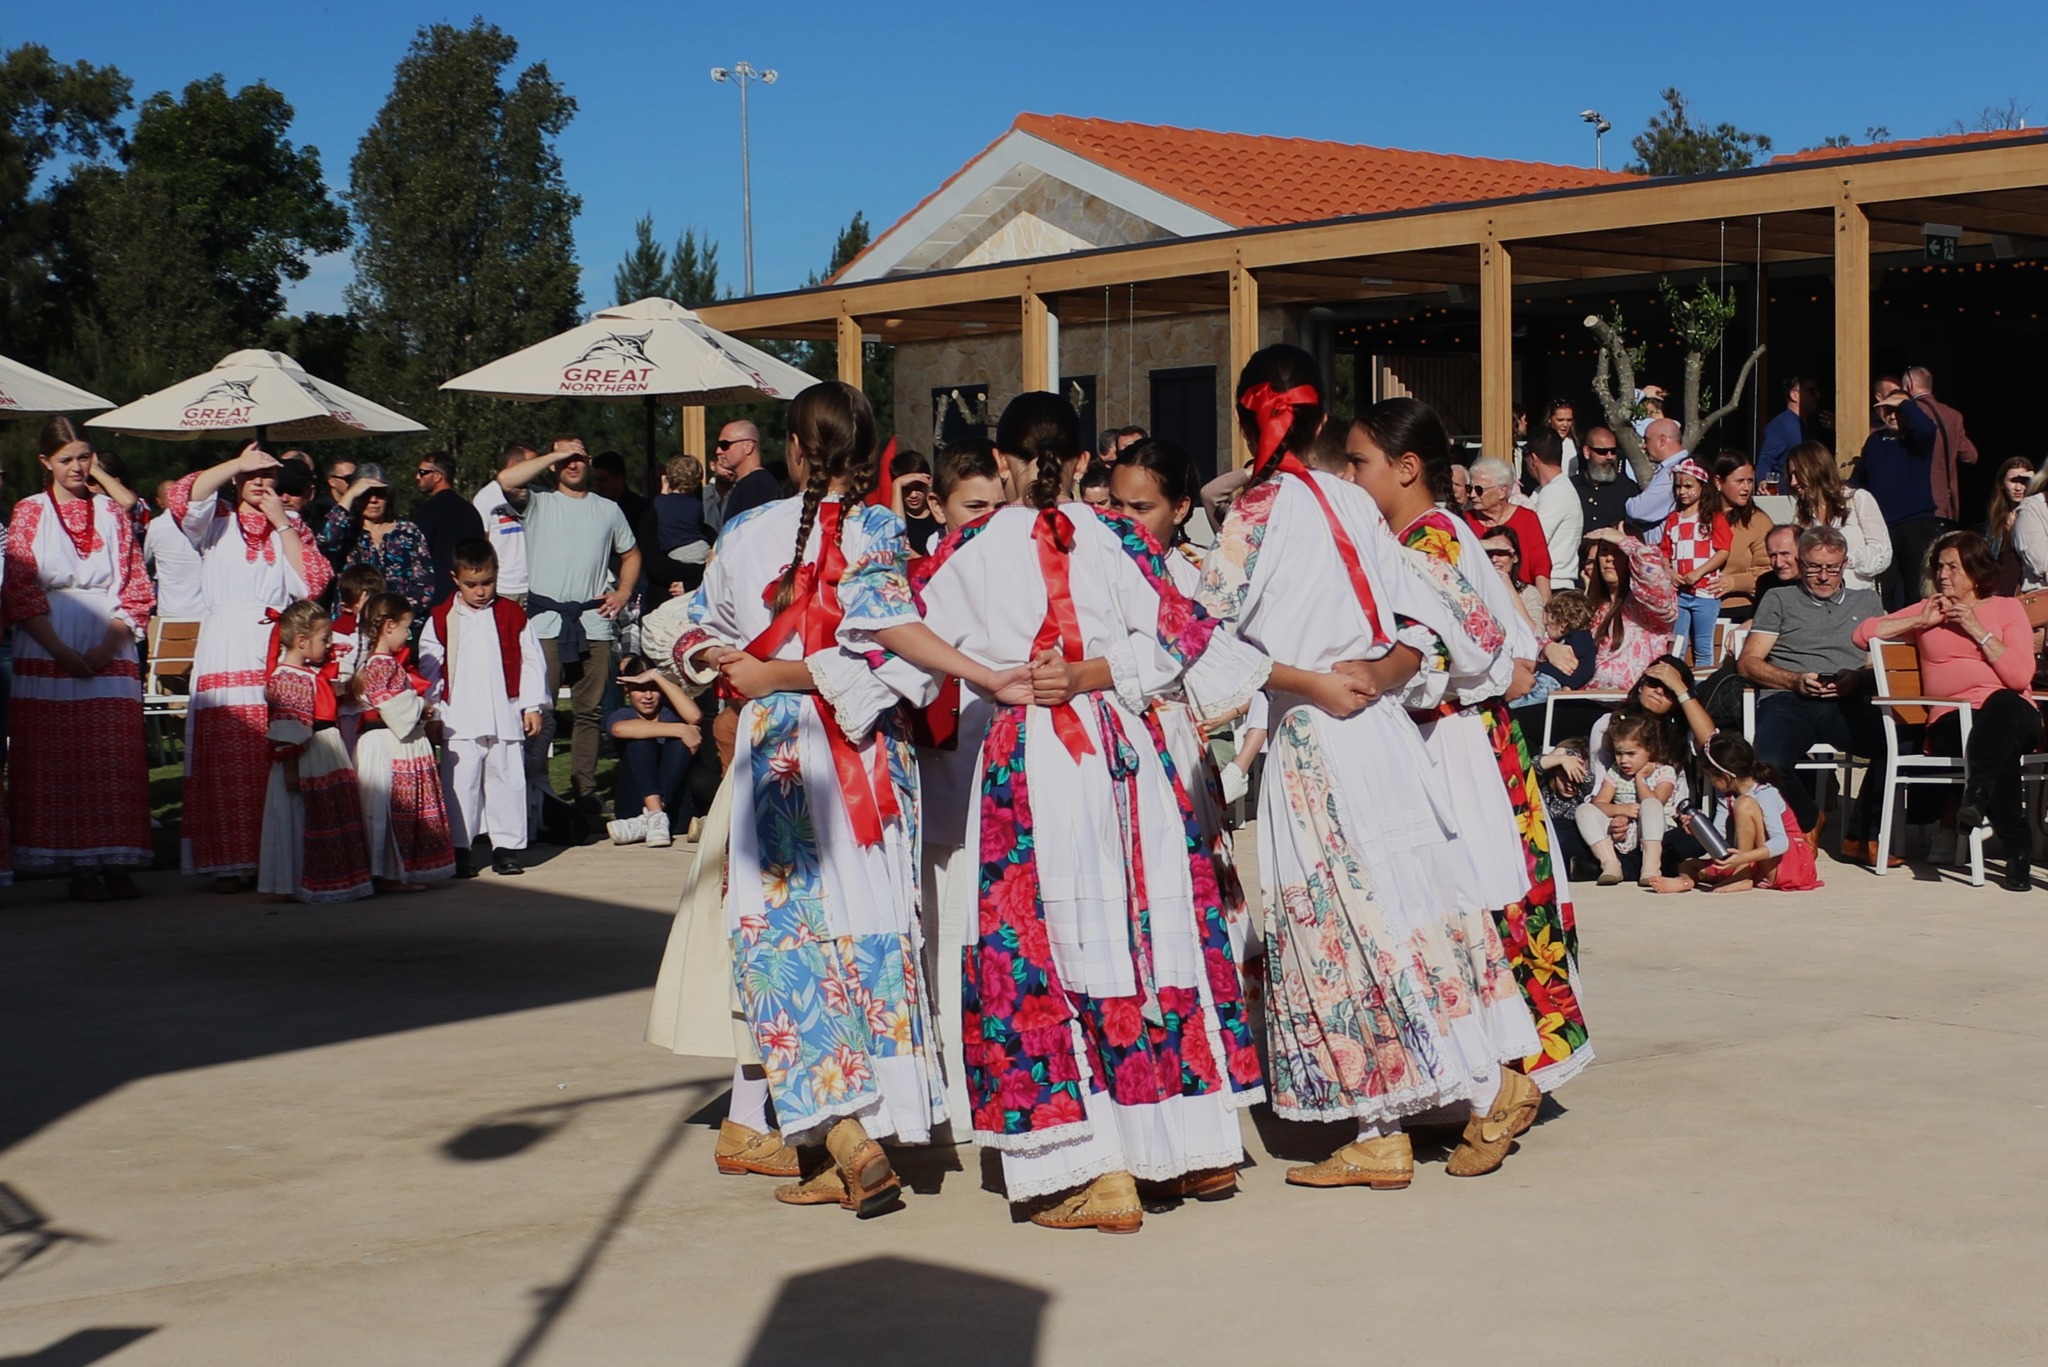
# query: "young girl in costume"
{"type": "Point", "coordinates": [1398, 452]}
{"type": "Point", "coordinates": [313, 847]}
{"type": "Point", "coordinates": [1696, 539]}
{"type": "Point", "coordinates": [1105, 1034]}
{"type": "Point", "coordinates": [357, 585]}
{"type": "Point", "coordinates": [822, 895]}
{"type": "Point", "coordinates": [1631, 807]}
{"type": "Point", "coordinates": [1765, 846]}
{"type": "Point", "coordinates": [1388, 990]}
{"type": "Point", "coordinates": [404, 813]}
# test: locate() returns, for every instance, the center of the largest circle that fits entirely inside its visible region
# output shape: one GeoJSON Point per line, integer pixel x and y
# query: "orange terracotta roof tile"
{"type": "Point", "coordinates": [1251, 181]}
{"type": "Point", "coordinates": [1908, 145]}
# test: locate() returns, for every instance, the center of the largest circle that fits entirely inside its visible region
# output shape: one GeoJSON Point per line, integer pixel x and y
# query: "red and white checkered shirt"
{"type": "Point", "coordinates": [1690, 543]}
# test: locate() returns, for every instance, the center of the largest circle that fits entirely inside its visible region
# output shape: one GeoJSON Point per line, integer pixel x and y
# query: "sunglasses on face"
{"type": "Point", "coordinates": [728, 445]}
{"type": "Point", "coordinates": [1601, 450]}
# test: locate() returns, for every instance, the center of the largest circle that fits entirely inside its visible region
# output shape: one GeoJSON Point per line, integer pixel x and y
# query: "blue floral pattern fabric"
{"type": "Point", "coordinates": [403, 557]}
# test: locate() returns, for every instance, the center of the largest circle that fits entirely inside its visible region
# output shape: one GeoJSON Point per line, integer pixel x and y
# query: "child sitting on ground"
{"type": "Point", "coordinates": [657, 733]}
{"type": "Point", "coordinates": [312, 847]}
{"type": "Point", "coordinates": [1567, 659]}
{"type": "Point", "coordinates": [1765, 846]}
{"type": "Point", "coordinates": [1628, 811]}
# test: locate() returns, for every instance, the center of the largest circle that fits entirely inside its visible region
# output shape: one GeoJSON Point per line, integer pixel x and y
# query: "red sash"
{"type": "Point", "coordinates": [1054, 534]}
{"type": "Point", "coordinates": [815, 612]}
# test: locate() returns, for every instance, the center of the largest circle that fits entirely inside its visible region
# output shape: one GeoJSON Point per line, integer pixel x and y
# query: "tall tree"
{"type": "Point", "coordinates": [644, 272]}
{"type": "Point", "coordinates": [48, 110]}
{"type": "Point", "coordinates": [466, 249]}
{"type": "Point", "coordinates": [1673, 145]}
{"type": "Point", "coordinates": [693, 271]}
{"type": "Point", "coordinates": [190, 246]}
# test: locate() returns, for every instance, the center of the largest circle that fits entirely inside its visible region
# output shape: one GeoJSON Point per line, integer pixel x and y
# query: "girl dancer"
{"type": "Point", "coordinates": [1105, 1037]}
{"type": "Point", "coordinates": [404, 813]}
{"type": "Point", "coordinates": [1398, 452]}
{"type": "Point", "coordinates": [312, 815]}
{"type": "Point", "coordinates": [1388, 990]}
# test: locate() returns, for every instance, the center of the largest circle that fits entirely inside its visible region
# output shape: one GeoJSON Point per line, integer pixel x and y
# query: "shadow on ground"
{"type": "Point", "coordinates": [99, 995]}
{"type": "Point", "coordinates": [81, 1349]}
{"type": "Point", "coordinates": [901, 1312]}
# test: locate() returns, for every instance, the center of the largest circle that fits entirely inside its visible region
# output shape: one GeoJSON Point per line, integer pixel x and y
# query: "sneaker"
{"type": "Point", "coordinates": [630, 831]}
{"type": "Point", "coordinates": [658, 836]}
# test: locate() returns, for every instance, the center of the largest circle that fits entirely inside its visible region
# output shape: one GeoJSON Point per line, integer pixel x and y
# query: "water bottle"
{"type": "Point", "coordinates": [1711, 840]}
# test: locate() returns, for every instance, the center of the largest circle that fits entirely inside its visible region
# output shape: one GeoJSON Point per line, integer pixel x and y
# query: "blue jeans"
{"type": "Point", "coordinates": [1696, 617]}
{"type": "Point", "coordinates": [658, 767]}
{"type": "Point", "coordinates": [1545, 685]}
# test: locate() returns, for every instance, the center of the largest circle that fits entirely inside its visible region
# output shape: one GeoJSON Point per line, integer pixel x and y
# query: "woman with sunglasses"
{"type": "Point", "coordinates": [365, 529]}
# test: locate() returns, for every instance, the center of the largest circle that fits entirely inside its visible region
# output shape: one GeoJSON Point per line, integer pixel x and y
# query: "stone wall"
{"type": "Point", "coordinates": [1048, 218]}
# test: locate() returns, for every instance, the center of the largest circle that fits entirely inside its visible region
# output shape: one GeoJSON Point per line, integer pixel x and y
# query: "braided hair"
{"type": "Point", "coordinates": [1281, 368]}
{"type": "Point", "coordinates": [381, 610]}
{"type": "Point", "coordinates": [833, 427]}
{"type": "Point", "coordinates": [1044, 429]}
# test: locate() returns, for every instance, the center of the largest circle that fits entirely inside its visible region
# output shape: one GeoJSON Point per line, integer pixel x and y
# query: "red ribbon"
{"type": "Point", "coordinates": [1347, 550]}
{"type": "Point", "coordinates": [814, 611]}
{"type": "Point", "coordinates": [1274, 413]}
{"type": "Point", "coordinates": [1062, 626]}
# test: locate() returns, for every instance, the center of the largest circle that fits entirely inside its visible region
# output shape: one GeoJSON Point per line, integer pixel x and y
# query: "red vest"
{"type": "Point", "coordinates": [511, 622]}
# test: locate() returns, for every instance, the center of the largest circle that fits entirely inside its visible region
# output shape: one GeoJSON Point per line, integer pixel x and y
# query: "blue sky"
{"type": "Point", "coordinates": [878, 103]}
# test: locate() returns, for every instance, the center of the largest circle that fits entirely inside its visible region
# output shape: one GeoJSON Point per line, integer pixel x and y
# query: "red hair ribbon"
{"type": "Point", "coordinates": [271, 615]}
{"type": "Point", "coordinates": [1054, 534]}
{"type": "Point", "coordinates": [1273, 412]}
{"type": "Point", "coordinates": [814, 611]}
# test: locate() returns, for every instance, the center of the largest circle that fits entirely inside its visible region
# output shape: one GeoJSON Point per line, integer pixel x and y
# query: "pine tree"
{"type": "Point", "coordinates": [466, 250]}
{"type": "Point", "coordinates": [1673, 145]}
{"type": "Point", "coordinates": [693, 271]}
{"type": "Point", "coordinates": [644, 273]}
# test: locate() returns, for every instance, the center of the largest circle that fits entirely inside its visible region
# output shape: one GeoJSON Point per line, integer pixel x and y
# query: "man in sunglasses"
{"type": "Point", "coordinates": [736, 462]}
{"type": "Point", "coordinates": [1603, 486]}
{"type": "Point", "coordinates": [446, 517]}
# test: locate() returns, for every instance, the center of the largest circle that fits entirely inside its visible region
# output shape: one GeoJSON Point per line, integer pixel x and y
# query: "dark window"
{"type": "Point", "coordinates": [960, 412]}
{"type": "Point", "coordinates": [1184, 412]}
{"type": "Point", "coordinates": [1079, 390]}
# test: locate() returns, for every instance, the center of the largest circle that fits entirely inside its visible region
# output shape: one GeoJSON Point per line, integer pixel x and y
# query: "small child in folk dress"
{"type": "Point", "coordinates": [312, 816]}
{"type": "Point", "coordinates": [358, 585]}
{"type": "Point", "coordinates": [1697, 539]}
{"type": "Point", "coordinates": [1629, 810]}
{"type": "Point", "coordinates": [1765, 846]}
{"type": "Point", "coordinates": [403, 811]}
{"type": "Point", "coordinates": [489, 707]}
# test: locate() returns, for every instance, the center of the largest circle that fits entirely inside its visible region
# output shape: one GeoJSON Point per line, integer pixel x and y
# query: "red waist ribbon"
{"type": "Point", "coordinates": [1062, 627]}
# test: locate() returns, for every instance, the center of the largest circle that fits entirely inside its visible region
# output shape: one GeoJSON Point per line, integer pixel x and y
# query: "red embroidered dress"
{"type": "Point", "coordinates": [80, 787]}
{"type": "Point", "coordinates": [313, 838]}
{"type": "Point", "coordinates": [404, 814]}
{"type": "Point", "coordinates": [244, 574]}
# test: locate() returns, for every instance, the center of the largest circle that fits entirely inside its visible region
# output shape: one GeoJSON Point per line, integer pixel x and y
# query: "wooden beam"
{"type": "Point", "coordinates": [1496, 350]}
{"type": "Point", "coordinates": [694, 441]}
{"type": "Point", "coordinates": [1034, 369]}
{"type": "Point", "coordinates": [1852, 319]}
{"type": "Point", "coordinates": [1244, 340]}
{"type": "Point", "coordinates": [850, 351]}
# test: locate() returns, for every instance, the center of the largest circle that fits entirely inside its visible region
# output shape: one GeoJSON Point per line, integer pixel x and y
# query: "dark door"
{"type": "Point", "coordinates": [1184, 412]}
{"type": "Point", "coordinates": [1079, 390]}
{"type": "Point", "coordinates": [959, 412]}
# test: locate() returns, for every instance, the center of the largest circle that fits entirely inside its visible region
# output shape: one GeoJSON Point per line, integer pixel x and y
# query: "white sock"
{"type": "Point", "coordinates": [749, 1106]}
{"type": "Point", "coordinates": [1367, 1131]}
{"type": "Point", "coordinates": [1486, 1090]}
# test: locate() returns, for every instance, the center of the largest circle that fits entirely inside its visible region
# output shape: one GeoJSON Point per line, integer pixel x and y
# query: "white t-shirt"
{"type": "Point", "coordinates": [169, 556]}
{"type": "Point", "coordinates": [1564, 521]}
{"type": "Point", "coordinates": [508, 538]}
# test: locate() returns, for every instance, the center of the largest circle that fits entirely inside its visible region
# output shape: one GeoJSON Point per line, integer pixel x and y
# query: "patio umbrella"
{"type": "Point", "coordinates": [653, 350]}
{"type": "Point", "coordinates": [27, 393]}
{"type": "Point", "coordinates": [262, 394]}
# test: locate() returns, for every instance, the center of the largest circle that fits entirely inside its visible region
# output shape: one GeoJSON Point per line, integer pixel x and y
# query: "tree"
{"type": "Point", "coordinates": [1673, 145]}
{"type": "Point", "coordinates": [689, 275]}
{"type": "Point", "coordinates": [1875, 132]}
{"type": "Point", "coordinates": [1700, 321]}
{"type": "Point", "coordinates": [1995, 118]}
{"type": "Point", "coordinates": [190, 245]}
{"type": "Point", "coordinates": [466, 249]}
{"type": "Point", "coordinates": [693, 271]}
{"type": "Point", "coordinates": [47, 110]}
{"type": "Point", "coordinates": [644, 272]}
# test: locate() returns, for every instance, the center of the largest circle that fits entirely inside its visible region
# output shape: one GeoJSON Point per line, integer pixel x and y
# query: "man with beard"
{"type": "Point", "coordinates": [1604, 488]}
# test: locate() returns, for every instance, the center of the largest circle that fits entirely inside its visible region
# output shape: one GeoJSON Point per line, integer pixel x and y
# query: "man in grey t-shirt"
{"type": "Point", "coordinates": [572, 595]}
{"type": "Point", "coordinates": [1815, 682]}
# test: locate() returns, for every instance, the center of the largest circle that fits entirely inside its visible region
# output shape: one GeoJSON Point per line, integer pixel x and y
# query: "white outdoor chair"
{"type": "Point", "coordinates": [1610, 696]}
{"type": "Point", "coordinates": [1897, 664]}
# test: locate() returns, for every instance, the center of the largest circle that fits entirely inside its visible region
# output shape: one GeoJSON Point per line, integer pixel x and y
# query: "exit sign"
{"type": "Point", "coordinates": [1939, 240]}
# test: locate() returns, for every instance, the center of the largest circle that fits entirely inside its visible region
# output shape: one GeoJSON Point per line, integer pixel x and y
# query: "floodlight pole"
{"type": "Point", "coordinates": [743, 74]}
{"type": "Point", "coordinates": [1600, 128]}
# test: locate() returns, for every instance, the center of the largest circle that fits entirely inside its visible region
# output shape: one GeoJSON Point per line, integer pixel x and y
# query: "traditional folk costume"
{"type": "Point", "coordinates": [313, 846]}
{"type": "Point", "coordinates": [80, 785]}
{"type": "Point", "coordinates": [482, 706]}
{"type": "Point", "coordinates": [1498, 798]}
{"type": "Point", "coordinates": [342, 658]}
{"type": "Point", "coordinates": [1388, 990]}
{"type": "Point", "coordinates": [1104, 1025]}
{"type": "Point", "coordinates": [821, 902]}
{"type": "Point", "coordinates": [245, 579]}
{"type": "Point", "coordinates": [405, 818]}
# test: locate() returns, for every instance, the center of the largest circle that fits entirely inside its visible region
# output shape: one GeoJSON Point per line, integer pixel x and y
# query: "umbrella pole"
{"type": "Point", "coordinates": [653, 487]}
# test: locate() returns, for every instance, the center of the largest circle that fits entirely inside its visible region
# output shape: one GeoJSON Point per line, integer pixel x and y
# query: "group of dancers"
{"type": "Point", "coordinates": [1009, 901]}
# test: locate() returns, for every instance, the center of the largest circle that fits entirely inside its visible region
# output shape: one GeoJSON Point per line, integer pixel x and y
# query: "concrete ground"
{"type": "Point", "coordinates": [426, 1130]}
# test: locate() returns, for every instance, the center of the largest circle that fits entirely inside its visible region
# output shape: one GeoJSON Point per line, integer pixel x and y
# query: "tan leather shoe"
{"type": "Point", "coordinates": [1864, 853]}
{"type": "Point", "coordinates": [823, 1189]}
{"type": "Point", "coordinates": [872, 1186]}
{"type": "Point", "coordinates": [1488, 1137]}
{"type": "Point", "coordinates": [743, 1149]}
{"type": "Point", "coordinates": [1384, 1164]}
{"type": "Point", "coordinates": [1210, 1184]}
{"type": "Point", "coordinates": [1109, 1203]}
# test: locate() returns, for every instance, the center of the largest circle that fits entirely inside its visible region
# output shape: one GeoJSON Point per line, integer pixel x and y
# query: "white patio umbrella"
{"type": "Point", "coordinates": [263, 394]}
{"type": "Point", "coordinates": [28, 393]}
{"type": "Point", "coordinates": [652, 350]}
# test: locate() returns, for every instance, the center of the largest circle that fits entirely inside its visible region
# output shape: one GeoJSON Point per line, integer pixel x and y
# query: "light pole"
{"type": "Point", "coordinates": [743, 75]}
{"type": "Point", "coordinates": [1592, 116]}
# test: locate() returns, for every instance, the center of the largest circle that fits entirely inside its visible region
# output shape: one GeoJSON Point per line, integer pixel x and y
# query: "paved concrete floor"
{"type": "Point", "coordinates": [427, 1131]}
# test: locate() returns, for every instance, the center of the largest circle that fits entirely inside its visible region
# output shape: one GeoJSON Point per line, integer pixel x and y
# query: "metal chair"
{"type": "Point", "coordinates": [1897, 665]}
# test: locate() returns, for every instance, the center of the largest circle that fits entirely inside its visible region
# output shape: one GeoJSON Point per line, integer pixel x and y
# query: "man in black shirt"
{"type": "Point", "coordinates": [1604, 487]}
{"type": "Point", "coordinates": [447, 518]}
{"type": "Point", "coordinates": [737, 457]}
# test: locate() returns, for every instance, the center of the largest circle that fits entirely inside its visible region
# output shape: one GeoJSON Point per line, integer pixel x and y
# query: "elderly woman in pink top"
{"type": "Point", "coordinates": [1975, 647]}
{"type": "Point", "coordinates": [1635, 606]}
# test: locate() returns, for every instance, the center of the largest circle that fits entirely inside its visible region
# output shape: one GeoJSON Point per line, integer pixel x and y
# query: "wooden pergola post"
{"type": "Point", "coordinates": [694, 440]}
{"type": "Point", "coordinates": [1496, 349]}
{"type": "Point", "coordinates": [850, 352]}
{"type": "Point", "coordinates": [1244, 340]}
{"type": "Point", "coordinates": [1852, 323]}
{"type": "Point", "coordinates": [1034, 365]}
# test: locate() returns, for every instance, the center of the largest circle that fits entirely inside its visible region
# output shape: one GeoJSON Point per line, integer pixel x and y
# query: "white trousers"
{"type": "Point", "coordinates": [485, 780]}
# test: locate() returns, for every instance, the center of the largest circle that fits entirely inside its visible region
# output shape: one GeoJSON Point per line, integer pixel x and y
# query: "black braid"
{"type": "Point", "coordinates": [814, 494]}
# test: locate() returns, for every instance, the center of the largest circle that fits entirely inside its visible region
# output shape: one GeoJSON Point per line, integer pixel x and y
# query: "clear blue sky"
{"type": "Point", "coordinates": [874, 113]}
